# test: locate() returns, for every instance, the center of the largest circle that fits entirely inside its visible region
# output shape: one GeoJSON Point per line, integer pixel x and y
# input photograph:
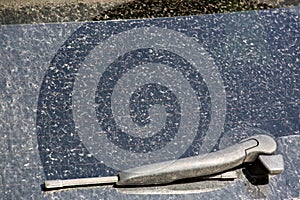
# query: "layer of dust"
{"type": "Point", "coordinates": [57, 11]}
{"type": "Point", "coordinates": [23, 3]}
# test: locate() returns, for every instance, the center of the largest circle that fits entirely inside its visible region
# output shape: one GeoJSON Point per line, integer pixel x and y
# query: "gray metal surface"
{"type": "Point", "coordinates": [73, 100]}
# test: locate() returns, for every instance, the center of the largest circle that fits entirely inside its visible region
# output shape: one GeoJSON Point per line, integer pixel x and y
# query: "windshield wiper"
{"type": "Point", "coordinates": [256, 154]}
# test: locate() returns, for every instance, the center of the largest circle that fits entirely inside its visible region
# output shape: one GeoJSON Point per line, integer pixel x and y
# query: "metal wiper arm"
{"type": "Point", "coordinates": [260, 147]}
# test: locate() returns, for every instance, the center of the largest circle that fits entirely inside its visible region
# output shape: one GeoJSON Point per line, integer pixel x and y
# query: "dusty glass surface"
{"type": "Point", "coordinates": [37, 11]}
{"type": "Point", "coordinates": [90, 99]}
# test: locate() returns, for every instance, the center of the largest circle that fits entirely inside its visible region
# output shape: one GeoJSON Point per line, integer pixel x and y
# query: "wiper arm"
{"type": "Point", "coordinates": [251, 150]}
